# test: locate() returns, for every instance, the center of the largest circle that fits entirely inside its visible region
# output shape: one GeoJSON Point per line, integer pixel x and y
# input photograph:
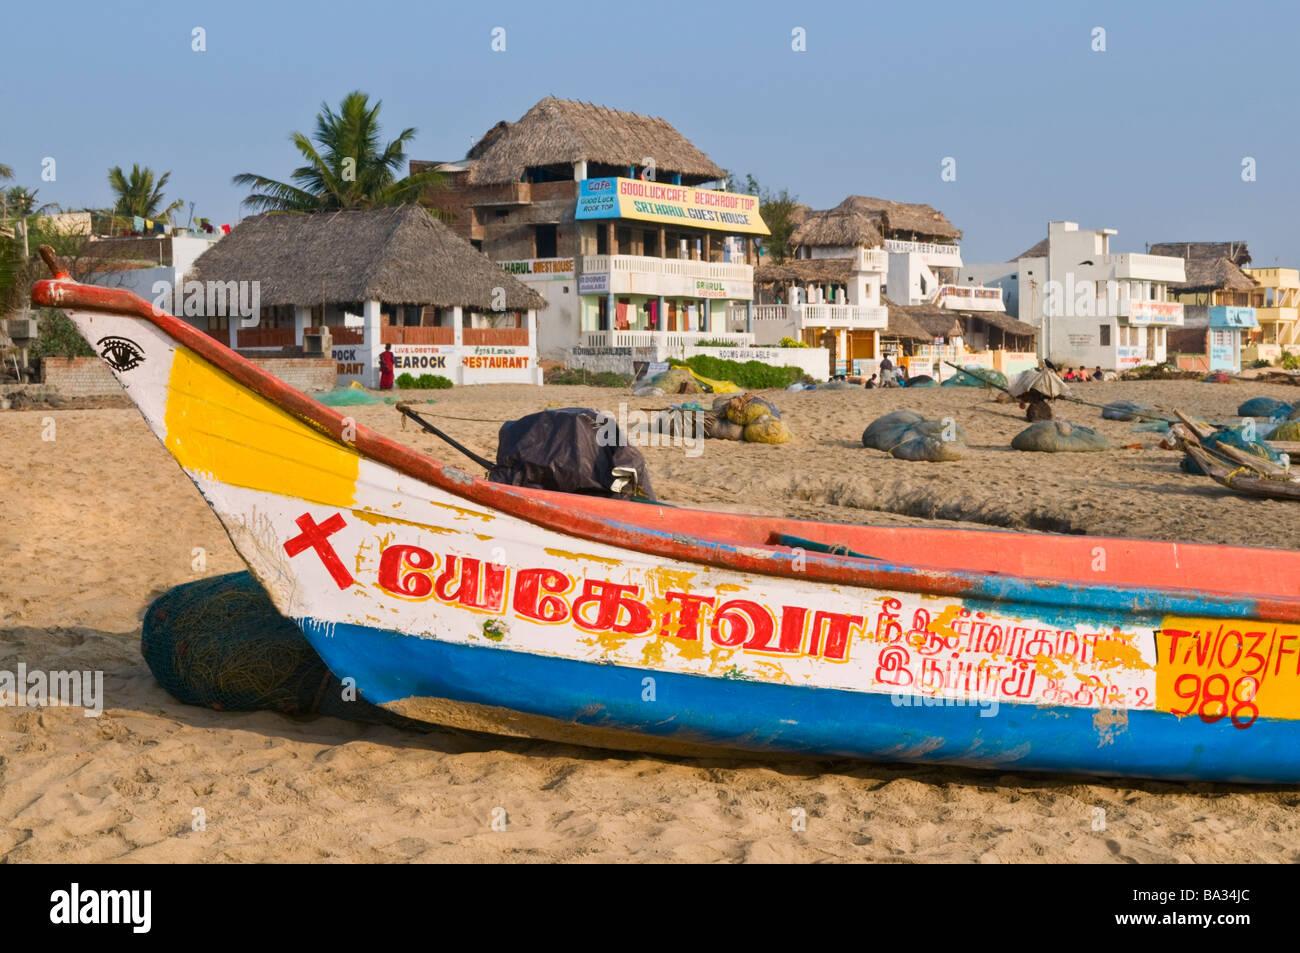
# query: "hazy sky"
{"type": "Point", "coordinates": [1147, 137]}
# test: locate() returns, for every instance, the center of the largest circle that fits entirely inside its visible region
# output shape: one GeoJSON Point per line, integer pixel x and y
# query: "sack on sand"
{"type": "Point", "coordinates": [946, 427]}
{"type": "Point", "coordinates": [744, 409]}
{"type": "Point", "coordinates": [767, 429]}
{"type": "Point", "coordinates": [1058, 436]}
{"type": "Point", "coordinates": [933, 449]}
{"type": "Point", "coordinates": [1289, 430]}
{"type": "Point", "coordinates": [1122, 410]}
{"type": "Point", "coordinates": [887, 432]}
{"type": "Point", "coordinates": [221, 643]}
{"type": "Point", "coordinates": [1264, 407]}
{"type": "Point", "coordinates": [720, 428]}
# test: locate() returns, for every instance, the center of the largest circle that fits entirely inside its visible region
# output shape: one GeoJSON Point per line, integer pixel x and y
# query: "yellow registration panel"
{"type": "Point", "coordinates": [1236, 669]}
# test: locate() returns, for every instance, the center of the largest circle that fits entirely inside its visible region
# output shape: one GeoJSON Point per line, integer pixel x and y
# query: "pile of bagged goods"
{"type": "Point", "coordinates": [1059, 436]}
{"type": "Point", "coordinates": [908, 435]}
{"type": "Point", "coordinates": [745, 417]}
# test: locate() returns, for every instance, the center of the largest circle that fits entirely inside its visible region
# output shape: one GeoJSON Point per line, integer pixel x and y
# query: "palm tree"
{"type": "Point", "coordinates": [345, 166]}
{"type": "Point", "coordinates": [6, 172]}
{"type": "Point", "coordinates": [138, 193]}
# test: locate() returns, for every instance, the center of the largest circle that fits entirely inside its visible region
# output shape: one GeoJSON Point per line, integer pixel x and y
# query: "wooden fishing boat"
{"type": "Point", "coordinates": [638, 626]}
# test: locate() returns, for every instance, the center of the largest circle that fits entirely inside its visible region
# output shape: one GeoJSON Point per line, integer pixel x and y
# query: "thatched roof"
{"type": "Point", "coordinates": [802, 270]}
{"type": "Point", "coordinates": [398, 255]}
{"type": "Point", "coordinates": [901, 325]}
{"type": "Point", "coordinates": [1036, 250]}
{"type": "Point", "coordinates": [561, 131]}
{"type": "Point", "coordinates": [1235, 252]}
{"type": "Point", "coordinates": [1002, 321]}
{"type": "Point", "coordinates": [916, 218]}
{"type": "Point", "coordinates": [839, 228]}
{"type": "Point", "coordinates": [1212, 274]}
{"type": "Point", "coordinates": [938, 322]}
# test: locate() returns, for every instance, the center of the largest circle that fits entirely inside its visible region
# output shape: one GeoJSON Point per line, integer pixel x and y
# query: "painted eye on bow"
{"type": "Point", "coordinates": [122, 354]}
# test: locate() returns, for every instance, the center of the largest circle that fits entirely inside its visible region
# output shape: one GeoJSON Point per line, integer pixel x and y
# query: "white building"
{"type": "Point", "coordinates": [1091, 307]}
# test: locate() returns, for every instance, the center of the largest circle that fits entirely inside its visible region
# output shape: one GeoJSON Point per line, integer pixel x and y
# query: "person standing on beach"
{"type": "Point", "coordinates": [386, 363]}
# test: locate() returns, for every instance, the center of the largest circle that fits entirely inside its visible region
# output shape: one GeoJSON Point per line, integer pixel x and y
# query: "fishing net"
{"type": "Point", "coordinates": [1058, 436]}
{"type": "Point", "coordinates": [1235, 437]}
{"type": "Point", "coordinates": [1123, 410]}
{"type": "Point", "coordinates": [220, 643]}
{"type": "Point", "coordinates": [767, 429]}
{"type": "Point", "coordinates": [931, 449]}
{"type": "Point", "coordinates": [347, 397]}
{"type": "Point", "coordinates": [1264, 407]}
{"type": "Point", "coordinates": [1290, 430]}
{"type": "Point", "coordinates": [744, 409]}
{"type": "Point", "coordinates": [974, 376]}
{"type": "Point", "coordinates": [887, 432]}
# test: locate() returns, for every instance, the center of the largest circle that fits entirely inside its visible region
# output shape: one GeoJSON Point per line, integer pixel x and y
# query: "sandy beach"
{"type": "Point", "coordinates": [97, 522]}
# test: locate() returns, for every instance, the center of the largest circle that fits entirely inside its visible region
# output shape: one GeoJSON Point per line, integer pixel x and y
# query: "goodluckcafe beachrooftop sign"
{"type": "Point", "coordinates": [669, 205]}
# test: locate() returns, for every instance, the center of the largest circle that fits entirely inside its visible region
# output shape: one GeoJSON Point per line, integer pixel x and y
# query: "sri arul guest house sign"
{"type": "Point", "coordinates": [669, 205]}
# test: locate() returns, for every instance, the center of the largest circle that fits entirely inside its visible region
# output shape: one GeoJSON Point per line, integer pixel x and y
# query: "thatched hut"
{"type": "Point", "coordinates": [1217, 304]}
{"type": "Point", "coordinates": [368, 277]}
{"type": "Point", "coordinates": [861, 221]}
{"type": "Point", "coordinates": [555, 134]}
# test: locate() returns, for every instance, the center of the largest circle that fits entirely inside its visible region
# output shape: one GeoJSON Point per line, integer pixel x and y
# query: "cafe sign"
{"type": "Point", "coordinates": [666, 204]}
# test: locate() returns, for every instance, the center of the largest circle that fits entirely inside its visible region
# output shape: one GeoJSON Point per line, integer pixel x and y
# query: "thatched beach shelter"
{"type": "Point", "coordinates": [861, 221]}
{"type": "Point", "coordinates": [400, 256]}
{"type": "Point", "coordinates": [369, 278]}
{"type": "Point", "coordinates": [556, 133]}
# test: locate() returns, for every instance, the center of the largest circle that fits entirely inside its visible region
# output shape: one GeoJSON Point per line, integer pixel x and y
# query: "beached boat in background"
{"type": "Point", "coordinates": [637, 626]}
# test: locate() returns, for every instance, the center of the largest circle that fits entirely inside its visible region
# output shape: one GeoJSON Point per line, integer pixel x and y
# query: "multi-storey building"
{"type": "Point", "coordinates": [1091, 307]}
{"type": "Point", "coordinates": [605, 214]}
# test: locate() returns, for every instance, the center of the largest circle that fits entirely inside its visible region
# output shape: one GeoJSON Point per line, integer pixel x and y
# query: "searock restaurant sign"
{"type": "Point", "coordinates": [669, 205]}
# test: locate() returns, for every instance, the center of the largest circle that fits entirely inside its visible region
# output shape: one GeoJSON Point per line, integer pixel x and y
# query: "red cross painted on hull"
{"type": "Point", "coordinates": [316, 536]}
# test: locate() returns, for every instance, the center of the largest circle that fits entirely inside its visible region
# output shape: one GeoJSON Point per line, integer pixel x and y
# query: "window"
{"type": "Point", "coordinates": [545, 241]}
{"type": "Point", "coordinates": [1105, 335]}
{"type": "Point", "coordinates": [650, 243]}
{"type": "Point", "coordinates": [624, 238]}
{"type": "Point", "coordinates": [602, 241]}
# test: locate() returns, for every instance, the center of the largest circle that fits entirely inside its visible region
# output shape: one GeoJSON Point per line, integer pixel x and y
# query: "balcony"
{"type": "Point", "coordinates": [791, 320]}
{"type": "Point", "coordinates": [933, 254]}
{"type": "Point", "coordinates": [970, 298]}
{"type": "Point", "coordinates": [662, 340]}
{"type": "Point", "coordinates": [670, 277]}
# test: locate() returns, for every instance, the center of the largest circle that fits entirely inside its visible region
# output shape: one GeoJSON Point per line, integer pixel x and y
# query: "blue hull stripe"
{"type": "Point", "coordinates": [763, 716]}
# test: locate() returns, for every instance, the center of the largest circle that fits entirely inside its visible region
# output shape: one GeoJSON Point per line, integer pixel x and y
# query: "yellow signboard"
{"type": "Point", "coordinates": [669, 205]}
{"type": "Point", "coordinates": [1239, 669]}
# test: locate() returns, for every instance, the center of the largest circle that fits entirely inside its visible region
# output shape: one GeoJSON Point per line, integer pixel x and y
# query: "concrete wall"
{"type": "Point", "coordinates": [813, 361]}
{"type": "Point", "coordinates": [90, 376]}
{"type": "Point", "coordinates": [307, 374]}
{"type": "Point", "coordinates": [79, 377]}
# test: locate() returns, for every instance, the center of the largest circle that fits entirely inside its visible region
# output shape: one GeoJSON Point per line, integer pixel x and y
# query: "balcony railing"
{"type": "Point", "coordinates": [970, 298]}
{"type": "Point", "coordinates": [392, 334]}
{"type": "Point", "coordinates": [677, 267]}
{"type": "Point", "coordinates": [802, 316]}
{"type": "Point", "coordinates": [264, 337]}
{"type": "Point", "coordinates": [340, 335]}
{"type": "Point", "coordinates": [662, 339]}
